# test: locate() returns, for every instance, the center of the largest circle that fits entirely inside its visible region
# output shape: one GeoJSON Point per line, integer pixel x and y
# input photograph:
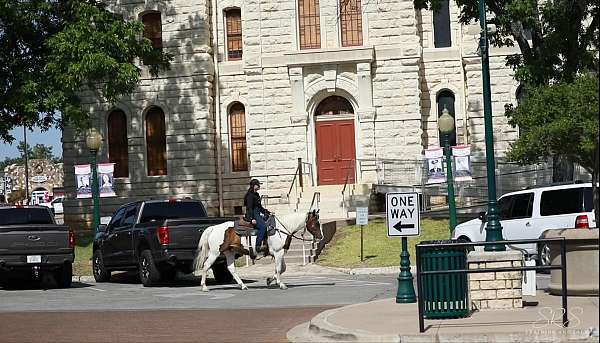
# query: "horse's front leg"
{"type": "Point", "coordinates": [230, 255]}
{"type": "Point", "coordinates": [212, 257]}
{"type": "Point", "coordinates": [279, 268]}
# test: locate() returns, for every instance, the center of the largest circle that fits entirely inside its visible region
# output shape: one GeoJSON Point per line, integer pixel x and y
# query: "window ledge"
{"type": "Point", "coordinates": [441, 54]}
{"type": "Point", "coordinates": [347, 54]}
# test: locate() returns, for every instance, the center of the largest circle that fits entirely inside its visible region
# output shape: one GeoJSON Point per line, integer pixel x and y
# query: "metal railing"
{"type": "Point", "coordinates": [299, 175]}
{"type": "Point", "coordinates": [352, 169]}
{"type": "Point", "coordinates": [563, 268]}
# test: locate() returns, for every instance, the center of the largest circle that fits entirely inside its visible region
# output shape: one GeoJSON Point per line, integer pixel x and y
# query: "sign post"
{"type": "Point", "coordinates": [403, 220]}
{"type": "Point", "coordinates": [362, 218]}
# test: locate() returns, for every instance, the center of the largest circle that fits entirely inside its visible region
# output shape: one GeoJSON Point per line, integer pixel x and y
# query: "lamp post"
{"type": "Point", "coordinates": [493, 227]}
{"type": "Point", "coordinates": [93, 141]}
{"type": "Point", "coordinates": [446, 126]}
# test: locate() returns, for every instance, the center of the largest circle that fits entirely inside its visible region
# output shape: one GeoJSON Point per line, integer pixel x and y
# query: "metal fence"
{"type": "Point", "coordinates": [410, 175]}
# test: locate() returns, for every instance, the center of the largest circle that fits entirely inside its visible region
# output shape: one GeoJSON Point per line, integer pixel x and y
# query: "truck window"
{"type": "Point", "coordinates": [129, 218]}
{"type": "Point", "coordinates": [116, 219]}
{"type": "Point", "coordinates": [588, 199]}
{"type": "Point", "coordinates": [504, 206]}
{"type": "Point", "coordinates": [562, 201]}
{"type": "Point", "coordinates": [24, 216]}
{"type": "Point", "coordinates": [522, 206]}
{"type": "Point", "coordinates": [172, 210]}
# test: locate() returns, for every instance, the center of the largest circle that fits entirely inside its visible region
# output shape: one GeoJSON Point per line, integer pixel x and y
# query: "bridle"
{"type": "Point", "coordinates": [289, 233]}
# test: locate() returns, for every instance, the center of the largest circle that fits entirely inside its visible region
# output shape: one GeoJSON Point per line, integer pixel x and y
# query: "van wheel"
{"type": "Point", "coordinates": [98, 269]}
{"type": "Point", "coordinates": [64, 275]}
{"type": "Point", "coordinates": [543, 257]}
{"type": "Point", "coordinates": [149, 274]}
{"type": "Point", "coordinates": [465, 239]}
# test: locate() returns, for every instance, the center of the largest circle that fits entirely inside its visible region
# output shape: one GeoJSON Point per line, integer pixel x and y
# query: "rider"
{"type": "Point", "coordinates": [256, 214]}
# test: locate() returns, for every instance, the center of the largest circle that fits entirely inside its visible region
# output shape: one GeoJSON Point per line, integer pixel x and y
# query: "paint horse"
{"type": "Point", "coordinates": [223, 239]}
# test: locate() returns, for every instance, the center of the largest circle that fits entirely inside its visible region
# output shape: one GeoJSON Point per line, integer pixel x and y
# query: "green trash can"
{"type": "Point", "coordinates": [444, 295]}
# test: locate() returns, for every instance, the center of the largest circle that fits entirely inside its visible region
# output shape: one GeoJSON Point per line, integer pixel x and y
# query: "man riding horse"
{"type": "Point", "coordinates": [257, 215]}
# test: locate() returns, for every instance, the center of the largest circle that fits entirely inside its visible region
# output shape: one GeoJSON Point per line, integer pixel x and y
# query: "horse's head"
{"type": "Point", "coordinates": [312, 224]}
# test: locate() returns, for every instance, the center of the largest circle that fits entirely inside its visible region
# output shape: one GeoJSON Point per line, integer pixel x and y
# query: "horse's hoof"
{"type": "Point", "coordinates": [204, 289]}
{"type": "Point", "coordinates": [244, 288]}
{"type": "Point", "coordinates": [282, 286]}
{"type": "Point", "coordinates": [270, 281]}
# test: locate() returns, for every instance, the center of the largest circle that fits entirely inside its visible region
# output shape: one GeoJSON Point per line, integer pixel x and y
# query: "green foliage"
{"type": "Point", "coordinates": [564, 34]}
{"type": "Point", "coordinates": [39, 151]}
{"type": "Point", "coordinates": [558, 119]}
{"type": "Point", "coordinates": [51, 49]}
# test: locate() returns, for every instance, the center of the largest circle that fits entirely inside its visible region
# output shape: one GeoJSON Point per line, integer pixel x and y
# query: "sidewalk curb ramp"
{"type": "Point", "coordinates": [320, 329]}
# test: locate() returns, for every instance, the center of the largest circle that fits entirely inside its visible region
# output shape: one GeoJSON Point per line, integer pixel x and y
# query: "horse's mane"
{"type": "Point", "coordinates": [291, 222]}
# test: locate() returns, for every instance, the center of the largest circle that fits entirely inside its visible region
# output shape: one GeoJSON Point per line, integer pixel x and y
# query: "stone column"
{"type": "Point", "coordinates": [495, 290]}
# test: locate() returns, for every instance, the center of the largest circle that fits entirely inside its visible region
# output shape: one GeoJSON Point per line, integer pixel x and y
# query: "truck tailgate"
{"type": "Point", "coordinates": [34, 240]}
{"type": "Point", "coordinates": [185, 233]}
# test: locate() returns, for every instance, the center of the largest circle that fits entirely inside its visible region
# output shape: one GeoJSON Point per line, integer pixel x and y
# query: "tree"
{"type": "Point", "coordinates": [39, 151]}
{"type": "Point", "coordinates": [561, 118]}
{"type": "Point", "coordinates": [51, 49]}
{"type": "Point", "coordinates": [564, 35]}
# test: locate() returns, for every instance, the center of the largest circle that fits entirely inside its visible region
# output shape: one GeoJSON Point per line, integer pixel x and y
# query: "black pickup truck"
{"type": "Point", "coordinates": [157, 238]}
{"type": "Point", "coordinates": [31, 243]}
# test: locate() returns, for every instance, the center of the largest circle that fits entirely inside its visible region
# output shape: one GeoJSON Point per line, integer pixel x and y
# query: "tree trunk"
{"type": "Point", "coordinates": [562, 169]}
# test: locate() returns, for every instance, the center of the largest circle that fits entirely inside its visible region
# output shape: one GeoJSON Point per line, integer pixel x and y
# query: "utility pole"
{"type": "Point", "coordinates": [26, 153]}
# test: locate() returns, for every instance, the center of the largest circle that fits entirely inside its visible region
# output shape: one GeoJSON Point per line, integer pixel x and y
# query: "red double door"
{"type": "Point", "coordinates": [336, 152]}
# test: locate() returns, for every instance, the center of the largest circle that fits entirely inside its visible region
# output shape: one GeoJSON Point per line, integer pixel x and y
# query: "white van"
{"type": "Point", "coordinates": [528, 213]}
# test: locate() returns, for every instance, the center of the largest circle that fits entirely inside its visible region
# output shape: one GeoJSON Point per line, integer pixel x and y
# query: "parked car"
{"type": "Point", "coordinates": [157, 238]}
{"type": "Point", "coordinates": [528, 213]}
{"type": "Point", "coordinates": [31, 243]}
{"type": "Point", "coordinates": [56, 205]}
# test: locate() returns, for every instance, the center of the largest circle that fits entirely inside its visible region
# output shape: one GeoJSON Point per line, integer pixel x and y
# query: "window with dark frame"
{"type": "Point", "coordinates": [237, 128]}
{"type": "Point", "coordinates": [351, 22]}
{"type": "Point", "coordinates": [117, 143]}
{"type": "Point", "coordinates": [233, 20]}
{"type": "Point", "coordinates": [442, 35]}
{"type": "Point", "coordinates": [156, 142]}
{"type": "Point", "coordinates": [153, 32]}
{"type": "Point", "coordinates": [309, 25]}
{"type": "Point", "coordinates": [445, 99]}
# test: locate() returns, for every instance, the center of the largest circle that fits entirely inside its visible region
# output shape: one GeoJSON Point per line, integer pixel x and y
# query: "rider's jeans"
{"type": "Point", "coordinates": [261, 227]}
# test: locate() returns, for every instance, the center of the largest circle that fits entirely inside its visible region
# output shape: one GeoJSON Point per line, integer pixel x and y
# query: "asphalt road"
{"type": "Point", "coordinates": [125, 311]}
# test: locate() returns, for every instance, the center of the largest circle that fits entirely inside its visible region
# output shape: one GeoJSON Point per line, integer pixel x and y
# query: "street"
{"type": "Point", "coordinates": [123, 310]}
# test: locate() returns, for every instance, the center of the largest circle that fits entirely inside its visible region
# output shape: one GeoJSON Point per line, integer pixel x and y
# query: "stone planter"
{"type": "Point", "coordinates": [582, 261]}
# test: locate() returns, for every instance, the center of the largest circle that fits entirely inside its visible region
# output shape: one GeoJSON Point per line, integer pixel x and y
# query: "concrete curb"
{"type": "Point", "coordinates": [372, 271]}
{"type": "Point", "coordinates": [83, 278]}
{"type": "Point", "coordinates": [320, 329]}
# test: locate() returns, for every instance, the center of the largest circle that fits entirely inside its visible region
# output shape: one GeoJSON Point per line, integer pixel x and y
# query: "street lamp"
{"type": "Point", "coordinates": [493, 227]}
{"type": "Point", "coordinates": [93, 141]}
{"type": "Point", "coordinates": [446, 126]}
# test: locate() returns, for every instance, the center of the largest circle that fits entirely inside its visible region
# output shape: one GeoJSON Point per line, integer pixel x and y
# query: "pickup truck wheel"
{"type": "Point", "coordinates": [100, 272]}
{"type": "Point", "coordinates": [64, 275]}
{"type": "Point", "coordinates": [221, 273]}
{"type": "Point", "coordinates": [149, 274]}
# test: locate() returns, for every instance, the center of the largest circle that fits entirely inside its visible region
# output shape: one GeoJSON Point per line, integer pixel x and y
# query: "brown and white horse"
{"type": "Point", "coordinates": [213, 242]}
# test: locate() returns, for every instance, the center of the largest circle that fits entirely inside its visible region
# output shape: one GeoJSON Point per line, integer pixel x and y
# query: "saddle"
{"type": "Point", "coordinates": [244, 228]}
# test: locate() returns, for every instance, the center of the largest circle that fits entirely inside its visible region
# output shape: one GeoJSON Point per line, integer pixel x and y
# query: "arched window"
{"type": "Point", "coordinates": [233, 20]}
{"type": "Point", "coordinates": [334, 105]}
{"type": "Point", "coordinates": [117, 143]}
{"type": "Point", "coordinates": [156, 142]}
{"type": "Point", "coordinates": [309, 24]}
{"type": "Point", "coordinates": [153, 32]}
{"type": "Point", "coordinates": [442, 36]}
{"type": "Point", "coordinates": [351, 22]}
{"type": "Point", "coordinates": [445, 99]}
{"type": "Point", "coordinates": [237, 128]}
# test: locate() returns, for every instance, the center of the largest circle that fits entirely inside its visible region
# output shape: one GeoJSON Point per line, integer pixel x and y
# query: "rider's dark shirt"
{"type": "Point", "coordinates": [252, 202]}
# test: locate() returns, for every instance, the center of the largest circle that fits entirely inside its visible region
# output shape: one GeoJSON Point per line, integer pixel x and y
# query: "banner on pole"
{"type": "Point", "coordinates": [462, 163]}
{"type": "Point", "coordinates": [105, 179]}
{"type": "Point", "coordinates": [83, 177]}
{"type": "Point", "coordinates": [434, 162]}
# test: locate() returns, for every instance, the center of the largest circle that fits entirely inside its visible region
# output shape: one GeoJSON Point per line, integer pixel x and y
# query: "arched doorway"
{"type": "Point", "coordinates": [336, 150]}
{"type": "Point", "coordinates": [39, 195]}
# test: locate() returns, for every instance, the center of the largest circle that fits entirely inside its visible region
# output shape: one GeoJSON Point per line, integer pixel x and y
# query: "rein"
{"type": "Point", "coordinates": [289, 233]}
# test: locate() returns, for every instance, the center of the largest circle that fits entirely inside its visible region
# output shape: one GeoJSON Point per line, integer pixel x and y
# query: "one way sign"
{"type": "Point", "coordinates": [402, 214]}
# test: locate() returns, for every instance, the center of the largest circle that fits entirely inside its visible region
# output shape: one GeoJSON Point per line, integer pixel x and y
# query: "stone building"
{"type": "Point", "coordinates": [256, 85]}
{"type": "Point", "coordinates": [45, 179]}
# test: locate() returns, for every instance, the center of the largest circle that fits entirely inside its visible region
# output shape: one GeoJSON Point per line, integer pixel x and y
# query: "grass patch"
{"type": "Point", "coordinates": [379, 249]}
{"type": "Point", "coordinates": [83, 254]}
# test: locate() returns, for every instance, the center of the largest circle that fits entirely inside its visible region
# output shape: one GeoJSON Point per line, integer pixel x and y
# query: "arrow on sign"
{"type": "Point", "coordinates": [398, 226]}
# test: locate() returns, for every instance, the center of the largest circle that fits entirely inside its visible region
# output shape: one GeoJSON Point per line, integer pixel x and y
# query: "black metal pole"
{"type": "Point", "coordinates": [26, 153]}
{"type": "Point", "coordinates": [420, 292]}
{"type": "Point", "coordinates": [563, 272]}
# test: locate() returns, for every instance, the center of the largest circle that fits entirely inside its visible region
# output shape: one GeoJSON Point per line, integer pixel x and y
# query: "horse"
{"type": "Point", "coordinates": [213, 242]}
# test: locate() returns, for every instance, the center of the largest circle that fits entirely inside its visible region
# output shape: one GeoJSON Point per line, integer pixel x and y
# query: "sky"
{"type": "Point", "coordinates": [50, 137]}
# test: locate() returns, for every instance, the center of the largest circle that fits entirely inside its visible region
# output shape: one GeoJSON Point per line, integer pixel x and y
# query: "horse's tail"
{"type": "Point", "coordinates": [202, 251]}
